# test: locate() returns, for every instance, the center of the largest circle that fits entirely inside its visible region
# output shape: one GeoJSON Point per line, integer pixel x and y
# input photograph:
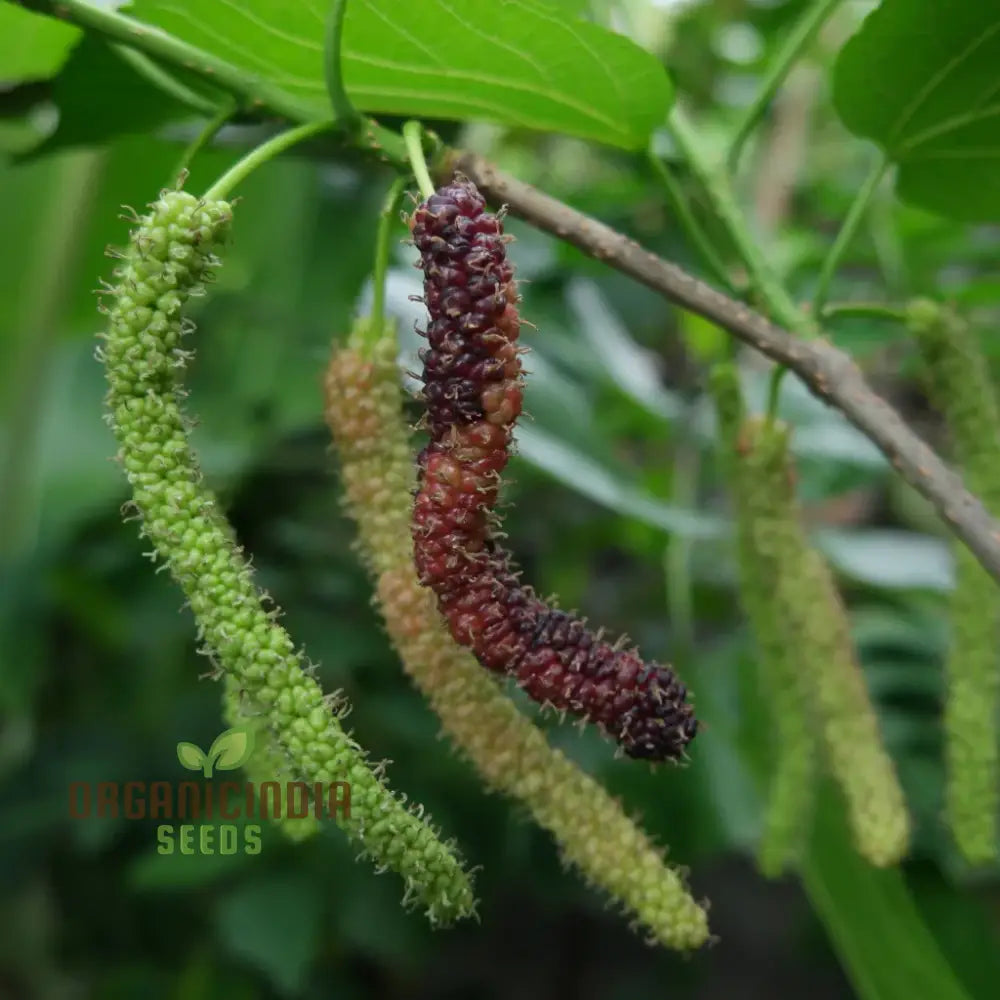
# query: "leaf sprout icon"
{"type": "Point", "coordinates": [230, 750]}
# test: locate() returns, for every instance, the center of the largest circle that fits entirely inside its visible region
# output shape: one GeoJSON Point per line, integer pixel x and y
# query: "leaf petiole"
{"type": "Point", "coordinates": [801, 34]}
{"type": "Point", "coordinates": [376, 326]}
{"type": "Point", "coordinates": [212, 127]}
{"type": "Point", "coordinates": [263, 153]}
{"type": "Point", "coordinates": [348, 119]}
{"type": "Point", "coordinates": [847, 232]}
{"type": "Point", "coordinates": [679, 203]}
{"type": "Point", "coordinates": [413, 134]}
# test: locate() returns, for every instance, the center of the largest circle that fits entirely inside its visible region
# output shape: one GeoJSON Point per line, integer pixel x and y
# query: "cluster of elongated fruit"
{"type": "Point", "coordinates": [958, 377]}
{"type": "Point", "coordinates": [443, 578]}
{"type": "Point", "coordinates": [472, 391]}
{"type": "Point", "coordinates": [810, 675]}
{"type": "Point", "coordinates": [167, 260]}
{"type": "Point", "coordinates": [364, 409]}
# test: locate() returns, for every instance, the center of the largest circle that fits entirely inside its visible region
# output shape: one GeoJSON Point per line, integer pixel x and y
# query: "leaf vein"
{"type": "Point", "coordinates": [491, 81]}
{"type": "Point", "coordinates": [270, 28]}
{"type": "Point", "coordinates": [952, 124]}
{"type": "Point", "coordinates": [601, 63]}
{"type": "Point", "coordinates": [938, 78]}
{"type": "Point", "coordinates": [506, 46]}
{"type": "Point", "coordinates": [504, 112]}
{"type": "Point", "coordinates": [403, 33]}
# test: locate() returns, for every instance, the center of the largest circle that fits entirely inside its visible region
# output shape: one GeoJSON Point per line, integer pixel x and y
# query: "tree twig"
{"type": "Point", "coordinates": [829, 373]}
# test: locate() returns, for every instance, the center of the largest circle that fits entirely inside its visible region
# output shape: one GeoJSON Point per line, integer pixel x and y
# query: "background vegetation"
{"type": "Point", "coordinates": [617, 505]}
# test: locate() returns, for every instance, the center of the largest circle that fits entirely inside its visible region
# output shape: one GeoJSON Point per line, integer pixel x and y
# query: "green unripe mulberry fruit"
{"type": "Point", "coordinates": [958, 377]}
{"type": "Point", "coordinates": [804, 634]}
{"type": "Point", "coordinates": [759, 475]}
{"type": "Point", "coordinates": [168, 260]}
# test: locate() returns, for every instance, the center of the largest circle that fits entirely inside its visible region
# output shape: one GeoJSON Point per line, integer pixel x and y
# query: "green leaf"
{"type": "Point", "coordinates": [32, 47]}
{"type": "Point", "coordinates": [190, 756]}
{"type": "Point", "coordinates": [274, 924]}
{"type": "Point", "coordinates": [902, 560]}
{"type": "Point", "coordinates": [514, 62]}
{"type": "Point", "coordinates": [630, 366]}
{"type": "Point", "coordinates": [873, 922]}
{"type": "Point", "coordinates": [920, 79]}
{"type": "Point", "coordinates": [232, 748]}
{"type": "Point", "coordinates": [175, 872]}
{"type": "Point", "coordinates": [99, 97]}
{"type": "Point", "coordinates": [590, 478]}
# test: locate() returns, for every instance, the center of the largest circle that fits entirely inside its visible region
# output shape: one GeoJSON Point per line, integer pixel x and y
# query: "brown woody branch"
{"type": "Point", "coordinates": [828, 372]}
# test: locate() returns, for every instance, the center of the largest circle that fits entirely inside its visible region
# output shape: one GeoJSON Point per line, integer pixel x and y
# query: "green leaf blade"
{"type": "Point", "coordinates": [886, 948]}
{"type": "Point", "coordinates": [32, 47]}
{"type": "Point", "coordinates": [919, 78]}
{"type": "Point", "coordinates": [519, 63]}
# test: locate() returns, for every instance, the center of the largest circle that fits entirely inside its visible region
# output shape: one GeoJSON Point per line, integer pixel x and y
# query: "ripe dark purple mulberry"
{"type": "Point", "coordinates": [472, 391]}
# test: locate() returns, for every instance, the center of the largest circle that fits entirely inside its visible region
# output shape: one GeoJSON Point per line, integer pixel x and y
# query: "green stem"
{"type": "Point", "coordinates": [252, 91]}
{"type": "Point", "coordinates": [697, 236]}
{"type": "Point", "coordinates": [716, 184]}
{"type": "Point", "coordinates": [847, 232]}
{"type": "Point", "coordinates": [677, 557]}
{"type": "Point", "coordinates": [146, 67]}
{"type": "Point", "coordinates": [348, 119]}
{"type": "Point", "coordinates": [413, 134]}
{"type": "Point", "coordinates": [802, 33]}
{"type": "Point", "coordinates": [155, 42]}
{"type": "Point", "coordinates": [204, 137]}
{"type": "Point", "coordinates": [774, 392]}
{"type": "Point", "coordinates": [267, 151]}
{"type": "Point", "coordinates": [385, 224]}
{"type": "Point", "coordinates": [865, 310]}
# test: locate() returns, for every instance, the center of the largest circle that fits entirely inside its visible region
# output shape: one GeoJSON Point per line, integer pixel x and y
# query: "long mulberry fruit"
{"type": "Point", "coordinates": [168, 259]}
{"type": "Point", "coordinates": [593, 831]}
{"type": "Point", "coordinates": [759, 471]}
{"type": "Point", "coordinates": [960, 383]}
{"type": "Point", "coordinates": [472, 391]}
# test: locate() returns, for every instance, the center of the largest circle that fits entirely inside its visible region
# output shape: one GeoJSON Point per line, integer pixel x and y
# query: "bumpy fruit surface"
{"type": "Point", "coordinates": [959, 380]}
{"type": "Point", "coordinates": [168, 259]}
{"type": "Point", "coordinates": [268, 762]}
{"type": "Point", "coordinates": [364, 403]}
{"type": "Point", "coordinates": [759, 473]}
{"type": "Point", "coordinates": [472, 390]}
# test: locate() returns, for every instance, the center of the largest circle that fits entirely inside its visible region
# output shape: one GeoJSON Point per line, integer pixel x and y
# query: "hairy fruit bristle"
{"type": "Point", "coordinates": [473, 379]}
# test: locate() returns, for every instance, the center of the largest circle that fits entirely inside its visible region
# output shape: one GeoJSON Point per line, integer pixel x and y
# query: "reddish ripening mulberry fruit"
{"type": "Point", "coordinates": [472, 391]}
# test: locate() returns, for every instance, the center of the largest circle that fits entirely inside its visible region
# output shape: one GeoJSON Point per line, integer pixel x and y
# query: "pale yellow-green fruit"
{"type": "Point", "coordinates": [364, 412]}
{"type": "Point", "coordinates": [958, 376]}
{"type": "Point", "coordinates": [759, 478]}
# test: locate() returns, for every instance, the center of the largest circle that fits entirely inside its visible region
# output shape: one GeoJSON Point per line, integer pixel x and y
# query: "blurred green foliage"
{"type": "Point", "coordinates": [617, 504]}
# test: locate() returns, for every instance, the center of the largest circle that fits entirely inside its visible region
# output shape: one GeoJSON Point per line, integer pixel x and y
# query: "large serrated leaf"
{"type": "Point", "coordinates": [514, 62]}
{"type": "Point", "coordinates": [920, 79]}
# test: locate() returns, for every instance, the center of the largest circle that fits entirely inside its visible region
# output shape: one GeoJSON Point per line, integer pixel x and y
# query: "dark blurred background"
{"type": "Point", "coordinates": [615, 503]}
